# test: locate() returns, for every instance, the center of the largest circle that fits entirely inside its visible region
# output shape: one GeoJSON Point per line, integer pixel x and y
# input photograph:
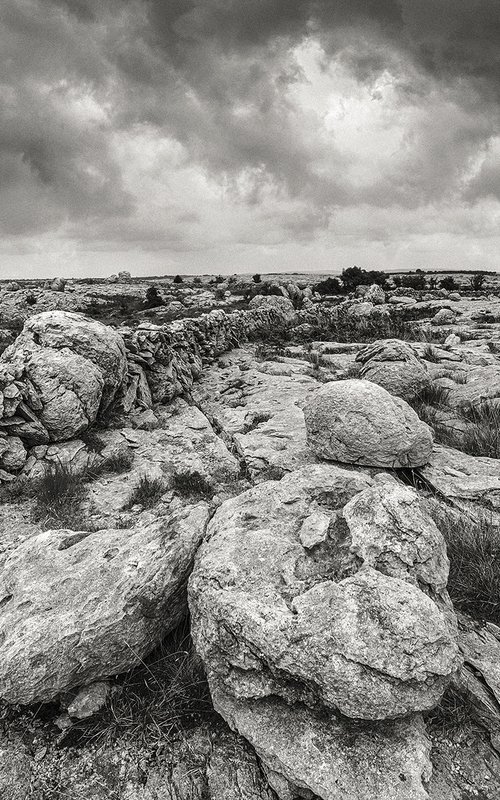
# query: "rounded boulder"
{"type": "Point", "coordinates": [359, 422]}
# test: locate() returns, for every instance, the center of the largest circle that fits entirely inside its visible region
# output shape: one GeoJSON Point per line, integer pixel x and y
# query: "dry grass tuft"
{"type": "Point", "coordinates": [474, 552]}
{"type": "Point", "coordinates": [191, 483]}
{"type": "Point", "coordinates": [59, 497]}
{"type": "Point", "coordinates": [147, 493]}
{"type": "Point", "coordinates": [166, 694]}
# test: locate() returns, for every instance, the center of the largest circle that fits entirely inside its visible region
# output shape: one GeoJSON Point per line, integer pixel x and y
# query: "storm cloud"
{"type": "Point", "coordinates": [250, 130]}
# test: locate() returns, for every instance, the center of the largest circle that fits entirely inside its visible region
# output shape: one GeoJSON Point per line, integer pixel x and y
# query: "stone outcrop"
{"type": "Point", "coordinates": [76, 607]}
{"type": "Point", "coordinates": [60, 373]}
{"type": "Point", "coordinates": [395, 366]}
{"type": "Point", "coordinates": [358, 422]}
{"type": "Point", "coordinates": [320, 593]}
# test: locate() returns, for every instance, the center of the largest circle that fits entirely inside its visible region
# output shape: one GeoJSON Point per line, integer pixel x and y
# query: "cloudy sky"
{"type": "Point", "coordinates": [165, 136]}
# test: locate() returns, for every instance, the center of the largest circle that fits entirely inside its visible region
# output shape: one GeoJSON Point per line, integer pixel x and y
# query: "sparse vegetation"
{"type": "Point", "coordinates": [191, 483]}
{"type": "Point", "coordinates": [59, 497]}
{"type": "Point", "coordinates": [477, 281]}
{"type": "Point", "coordinates": [455, 712]}
{"type": "Point", "coordinates": [178, 279]}
{"type": "Point", "coordinates": [473, 546]}
{"type": "Point", "coordinates": [146, 494]}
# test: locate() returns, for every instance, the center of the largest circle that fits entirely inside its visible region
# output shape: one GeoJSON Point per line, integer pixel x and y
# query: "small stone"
{"type": "Point", "coordinates": [314, 530]}
{"type": "Point", "coordinates": [89, 700]}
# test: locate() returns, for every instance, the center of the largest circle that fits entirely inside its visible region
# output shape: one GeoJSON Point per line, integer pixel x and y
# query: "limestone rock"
{"type": "Point", "coordinates": [77, 607]}
{"type": "Point", "coordinates": [283, 304]}
{"type": "Point", "coordinates": [467, 481]}
{"type": "Point", "coordinates": [375, 294]}
{"type": "Point", "coordinates": [77, 366]}
{"type": "Point", "coordinates": [329, 757]}
{"type": "Point", "coordinates": [390, 531]}
{"type": "Point", "coordinates": [12, 453]}
{"type": "Point", "coordinates": [444, 317]}
{"type": "Point", "coordinates": [395, 366]}
{"type": "Point", "coordinates": [89, 700]}
{"type": "Point", "coordinates": [317, 624]}
{"type": "Point", "coordinates": [358, 422]}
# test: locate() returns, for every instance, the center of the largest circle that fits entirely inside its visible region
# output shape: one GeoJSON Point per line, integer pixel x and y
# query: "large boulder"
{"type": "Point", "coordinates": [359, 422]}
{"type": "Point", "coordinates": [318, 594]}
{"type": "Point", "coordinates": [395, 366]}
{"type": "Point", "coordinates": [66, 369]}
{"type": "Point", "coordinates": [77, 607]}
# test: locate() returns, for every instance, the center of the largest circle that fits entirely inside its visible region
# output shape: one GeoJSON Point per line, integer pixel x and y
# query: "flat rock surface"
{"type": "Point", "coordinates": [258, 407]}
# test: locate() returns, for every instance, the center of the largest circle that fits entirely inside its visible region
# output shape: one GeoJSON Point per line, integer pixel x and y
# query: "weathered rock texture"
{"type": "Point", "coordinates": [395, 366]}
{"type": "Point", "coordinates": [77, 607]}
{"type": "Point", "coordinates": [310, 590]}
{"type": "Point", "coordinates": [64, 369]}
{"type": "Point", "coordinates": [358, 422]}
{"type": "Point", "coordinates": [60, 373]}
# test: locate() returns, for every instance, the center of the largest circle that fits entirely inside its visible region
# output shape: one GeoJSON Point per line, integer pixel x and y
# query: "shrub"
{"type": "Point", "coordinates": [449, 283]}
{"type": "Point", "coordinates": [256, 278]}
{"type": "Point", "coordinates": [328, 286]}
{"type": "Point", "coordinates": [178, 279]}
{"type": "Point", "coordinates": [477, 281]}
{"type": "Point", "coordinates": [354, 276]}
{"type": "Point", "coordinates": [413, 281]}
{"type": "Point", "coordinates": [191, 483]}
{"type": "Point", "coordinates": [147, 492]}
{"type": "Point", "coordinates": [153, 297]}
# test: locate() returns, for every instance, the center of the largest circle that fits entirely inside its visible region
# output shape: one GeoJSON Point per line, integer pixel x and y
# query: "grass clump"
{"type": "Point", "coordinates": [474, 552]}
{"type": "Point", "coordinates": [146, 494]}
{"type": "Point", "coordinates": [482, 435]}
{"type": "Point", "coordinates": [165, 695]}
{"type": "Point", "coordinates": [59, 496]}
{"type": "Point", "coordinates": [191, 483]}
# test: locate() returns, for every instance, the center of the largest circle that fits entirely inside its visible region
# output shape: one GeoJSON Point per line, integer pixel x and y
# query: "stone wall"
{"type": "Point", "coordinates": [64, 370]}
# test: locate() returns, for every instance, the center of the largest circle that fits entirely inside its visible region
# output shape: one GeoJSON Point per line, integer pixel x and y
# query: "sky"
{"type": "Point", "coordinates": [223, 136]}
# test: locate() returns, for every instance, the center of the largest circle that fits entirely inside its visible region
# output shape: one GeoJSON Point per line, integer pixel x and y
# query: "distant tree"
{"type": "Point", "coordinates": [256, 278]}
{"type": "Point", "coordinates": [354, 276]}
{"type": "Point", "coordinates": [153, 297]}
{"type": "Point", "coordinates": [328, 286]}
{"type": "Point", "coordinates": [178, 279]}
{"type": "Point", "coordinates": [477, 281]}
{"type": "Point", "coordinates": [449, 283]}
{"type": "Point", "coordinates": [413, 281]}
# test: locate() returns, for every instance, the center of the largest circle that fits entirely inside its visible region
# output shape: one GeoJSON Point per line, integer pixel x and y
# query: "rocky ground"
{"type": "Point", "coordinates": [249, 553]}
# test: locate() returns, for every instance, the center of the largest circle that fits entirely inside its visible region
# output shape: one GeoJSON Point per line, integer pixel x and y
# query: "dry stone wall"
{"type": "Point", "coordinates": [65, 370]}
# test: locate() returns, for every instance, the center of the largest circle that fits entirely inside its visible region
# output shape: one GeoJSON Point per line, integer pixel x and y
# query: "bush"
{"type": "Point", "coordinates": [256, 278]}
{"type": "Point", "coordinates": [147, 492]}
{"type": "Point", "coordinates": [477, 281]}
{"type": "Point", "coordinates": [153, 297]}
{"type": "Point", "coordinates": [413, 281]}
{"type": "Point", "coordinates": [178, 279]}
{"type": "Point", "coordinates": [328, 286]}
{"type": "Point", "coordinates": [354, 276]}
{"type": "Point", "coordinates": [449, 283]}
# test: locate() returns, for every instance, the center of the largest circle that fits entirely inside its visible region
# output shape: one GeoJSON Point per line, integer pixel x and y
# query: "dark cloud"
{"type": "Point", "coordinates": [215, 76]}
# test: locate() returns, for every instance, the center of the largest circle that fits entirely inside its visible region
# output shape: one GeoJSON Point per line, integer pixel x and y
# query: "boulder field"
{"type": "Point", "coordinates": [315, 578]}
